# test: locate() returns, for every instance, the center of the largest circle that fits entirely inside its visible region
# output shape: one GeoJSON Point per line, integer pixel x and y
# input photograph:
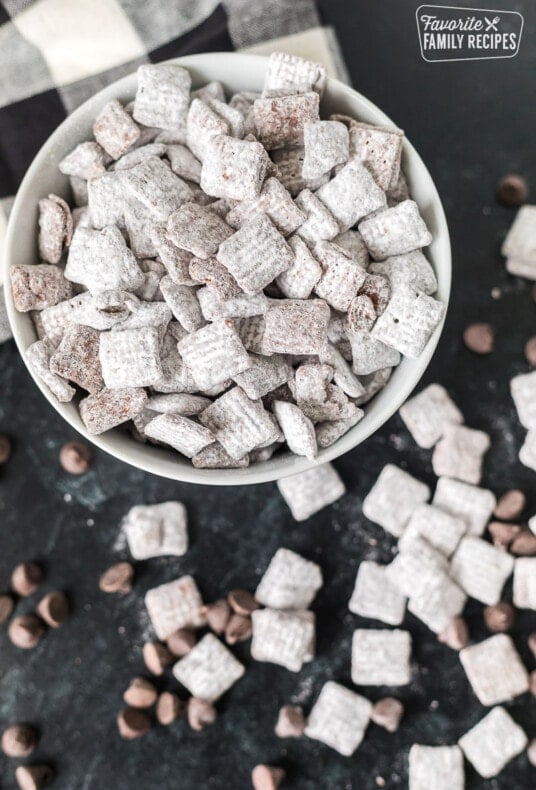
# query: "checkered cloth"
{"type": "Point", "coordinates": [55, 54]}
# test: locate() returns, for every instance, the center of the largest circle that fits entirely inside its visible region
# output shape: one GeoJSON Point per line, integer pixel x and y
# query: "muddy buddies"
{"type": "Point", "coordinates": [235, 275]}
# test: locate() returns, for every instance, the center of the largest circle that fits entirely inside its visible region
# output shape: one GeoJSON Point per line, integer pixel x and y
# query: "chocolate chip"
{"type": "Point", "coordinates": [290, 722]}
{"type": "Point", "coordinates": [479, 338]}
{"type": "Point", "coordinates": [132, 723]}
{"type": "Point", "coordinates": [267, 777]}
{"type": "Point", "coordinates": [26, 631]}
{"type": "Point", "coordinates": [26, 578]}
{"type": "Point", "coordinates": [75, 458]}
{"type": "Point", "coordinates": [530, 352]}
{"type": "Point", "coordinates": [532, 644]}
{"type": "Point", "coordinates": [238, 629]}
{"type": "Point", "coordinates": [510, 505]}
{"type": "Point", "coordinates": [140, 693]}
{"type": "Point", "coordinates": [6, 607]}
{"type": "Point", "coordinates": [19, 740]}
{"type": "Point", "coordinates": [157, 657]}
{"type": "Point", "coordinates": [118, 578]}
{"type": "Point", "coordinates": [5, 449]}
{"type": "Point", "coordinates": [532, 682]}
{"type": "Point", "coordinates": [54, 609]}
{"type": "Point", "coordinates": [503, 534]}
{"type": "Point", "coordinates": [499, 617]}
{"type": "Point", "coordinates": [32, 777]}
{"type": "Point", "coordinates": [524, 544]}
{"type": "Point", "coordinates": [181, 642]}
{"type": "Point", "coordinates": [200, 713]}
{"type": "Point", "coordinates": [387, 713]}
{"type": "Point", "coordinates": [217, 615]}
{"type": "Point", "coordinates": [169, 707]}
{"type": "Point", "coordinates": [242, 602]}
{"type": "Point", "coordinates": [531, 752]}
{"type": "Point", "coordinates": [512, 190]}
{"type": "Point", "coordinates": [455, 635]}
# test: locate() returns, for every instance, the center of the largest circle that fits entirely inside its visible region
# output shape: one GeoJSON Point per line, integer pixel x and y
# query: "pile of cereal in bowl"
{"type": "Point", "coordinates": [237, 277]}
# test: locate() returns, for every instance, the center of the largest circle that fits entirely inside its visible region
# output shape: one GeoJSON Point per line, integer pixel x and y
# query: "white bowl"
{"type": "Point", "coordinates": [236, 72]}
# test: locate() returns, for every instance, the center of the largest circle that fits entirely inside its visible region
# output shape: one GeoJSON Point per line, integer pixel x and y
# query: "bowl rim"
{"type": "Point", "coordinates": [280, 466]}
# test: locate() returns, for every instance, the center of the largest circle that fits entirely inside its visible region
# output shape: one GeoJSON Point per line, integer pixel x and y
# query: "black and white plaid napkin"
{"type": "Point", "coordinates": [55, 54]}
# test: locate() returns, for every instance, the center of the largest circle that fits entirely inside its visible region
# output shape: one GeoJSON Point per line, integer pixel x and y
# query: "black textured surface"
{"type": "Point", "coordinates": [471, 122]}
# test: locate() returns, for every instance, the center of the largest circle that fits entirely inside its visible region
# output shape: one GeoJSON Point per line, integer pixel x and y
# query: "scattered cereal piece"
{"type": "Point", "coordinates": [459, 453]}
{"type": "Point", "coordinates": [339, 718]}
{"type": "Point", "coordinates": [493, 742]}
{"type": "Point", "coordinates": [436, 601]}
{"type": "Point", "coordinates": [289, 582]}
{"type": "Point", "coordinates": [519, 246]}
{"type": "Point", "coordinates": [311, 491]}
{"type": "Point", "coordinates": [527, 453]}
{"type": "Point", "coordinates": [174, 605]}
{"type": "Point", "coordinates": [393, 499]}
{"type": "Point", "coordinates": [523, 389]}
{"type": "Point", "coordinates": [209, 669]}
{"type": "Point", "coordinates": [156, 530]}
{"type": "Point", "coordinates": [439, 529]}
{"type": "Point", "coordinates": [283, 638]}
{"type": "Point", "coordinates": [525, 583]}
{"type": "Point", "coordinates": [481, 569]}
{"type": "Point", "coordinates": [437, 767]}
{"type": "Point", "coordinates": [472, 504]}
{"type": "Point", "coordinates": [427, 414]}
{"type": "Point", "coordinates": [381, 657]}
{"type": "Point", "coordinates": [375, 596]}
{"type": "Point", "coordinates": [494, 670]}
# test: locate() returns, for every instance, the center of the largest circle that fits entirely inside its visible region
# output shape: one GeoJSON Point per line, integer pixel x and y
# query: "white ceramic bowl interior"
{"type": "Point", "coordinates": [237, 72]}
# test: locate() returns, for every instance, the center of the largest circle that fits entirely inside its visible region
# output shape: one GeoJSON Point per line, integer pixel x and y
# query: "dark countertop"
{"type": "Point", "coordinates": [471, 122]}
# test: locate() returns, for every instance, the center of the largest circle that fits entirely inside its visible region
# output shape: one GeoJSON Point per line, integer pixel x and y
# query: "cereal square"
{"type": "Point", "coordinates": [214, 353]}
{"type": "Point", "coordinates": [289, 582]}
{"type": "Point", "coordinates": [38, 286]}
{"type": "Point", "coordinates": [319, 224]}
{"type": "Point", "coordinates": [520, 241]}
{"type": "Point", "coordinates": [395, 231]}
{"type": "Point", "coordinates": [130, 358]}
{"type": "Point", "coordinates": [289, 163]}
{"type": "Point", "coordinates": [437, 602]}
{"type": "Point", "coordinates": [379, 149]}
{"type": "Point", "coordinates": [527, 453]}
{"type": "Point", "coordinates": [114, 129]}
{"type": "Point", "coordinates": [381, 657]}
{"type": "Point", "coordinates": [472, 504]}
{"type": "Point", "coordinates": [439, 529]}
{"type": "Point", "coordinates": [393, 499]}
{"type": "Point", "coordinates": [375, 596]}
{"type": "Point", "coordinates": [197, 229]}
{"type": "Point", "coordinates": [77, 358]}
{"type": "Point", "coordinates": [183, 434]}
{"type": "Point", "coordinates": [351, 195]}
{"type": "Point", "coordinates": [202, 124]}
{"type": "Point", "coordinates": [101, 261]}
{"type": "Point", "coordinates": [296, 326]}
{"type": "Point", "coordinates": [298, 429]}
{"type": "Point", "coordinates": [157, 530]}
{"type": "Point", "coordinates": [427, 414]}
{"type": "Point", "coordinates": [276, 202]}
{"type": "Point", "coordinates": [38, 357]}
{"type": "Point", "coordinates": [370, 355]}
{"type": "Point", "coordinates": [239, 423]}
{"type": "Point", "coordinates": [436, 768]}
{"type": "Point", "coordinates": [311, 491]}
{"type": "Point", "coordinates": [411, 270]}
{"type": "Point", "coordinates": [280, 120]}
{"type": "Point", "coordinates": [493, 742]}
{"type": "Point", "coordinates": [339, 718]}
{"type": "Point", "coordinates": [495, 670]}
{"type": "Point", "coordinates": [298, 281]}
{"type": "Point", "coordinates": [176, 604]}
{"type": "Point", "coordinates": [523, 389]}
{"type": "Point", "coordinates": [256, 254]}
{"type": "Point", "coordinates": [86, 160]}
{"type": "Point", "coordinates": [265, 375]}
{"type": "Point", "coordinates": [286, 72]}
{"type": "Point", "coordinates": [459, 453]}
{"type": "Point", "coordinates": [326, 145]}
{"type": "Point", "coordinates": [408, 321]}
{"type": "Point", "coordinates": [341, 276]}
{"type": "Point", "coordinates": [183, 303]}
{"type": "Point", "coordinates": [111, 407]}
{"type": "Point", "coordinates": [415, 567]}
{"type": "Point", "coordinates": [155, 185]}
{"type": "Point", "coordinates": [209, 669]}
{"type": "Point", "coordinates": [481, 569]}
{"type": "Point", "coordinates": [525, 583]}
{"type": "Point", "coordinates": [233, 169]}
{"type": "Point", "coordinates": [163, 95]}
{"type": "Point", "coordinates": [55, 228]}
{"type": "Point", "coordinates": [283, 638]}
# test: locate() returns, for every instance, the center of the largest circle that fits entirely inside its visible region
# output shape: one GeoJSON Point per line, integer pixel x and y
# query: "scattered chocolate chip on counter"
{"type": "Point", "coordinates": [156, 657]}
{"type": "Point", "coordinates": [531, 752]}
{"type": "Point", "coordinates": [141, 693]}
{"type": "Point", "coordinates": [169, 707]}
{"type": "Point", "coordinates": [456, 634]}
{"type": "Point", "coordinates": [387, 713]}
{"type": "Point", "coordinates": [238, 629]}
{"type": "Point", "coordinates": [267, 777]}
{"type": "Point", "coordinates": [530, 351]}
{"type": "Point", "coordinates": [217, 615]}
{"type": "Point", "coordinates": [33, 777]}
{"type": "Point", "coordinates": [290, 722]}
{"type": "Point", "coordinates": [117, 579]}
{"type": "Point", "coordinates": [181, 641]}
{"type": "Point", "coordinates": [200, 713]}
{"type": "Point", "coordinates": [26, 631]}
{"type": "Point", "coordinates": [499, 617]}
{"type": "Point", "coordinates": [512, 190]}
{"type": "Point", "coordinates": [19, 740]}
{"type": "Point", "coordinates": [132, 723]}
{"type": "Point", "coordinates": [532, 644]}
{"type": "Point", "coordinates": [479, 338]}
{"type": "Point", "coordinates": [54, 608]}
{"type": "Point", "coordinates": [524, 543]}
{"type": "Point", "coordinates": [5, 449]}
{"type": "Point", "coordinates": [503, 534]}
{"type": "Point", "coordinates": [75, 458]}
{"type": "Point", "coordinates": [26, 578]}
{"type": "Point", "coordinates": [510, 505]}
{"type": "Point", "coordinates": [242, 602]}
{"type": "Point", "coordinates": [7, 605]}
